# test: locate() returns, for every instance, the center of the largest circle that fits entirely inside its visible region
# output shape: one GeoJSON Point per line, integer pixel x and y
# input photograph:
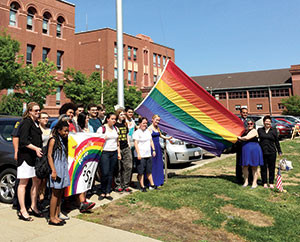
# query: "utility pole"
{"type": "Point", "coordinates": [120, 54]}
{"type": "Point", "coordinates": [102, 76]}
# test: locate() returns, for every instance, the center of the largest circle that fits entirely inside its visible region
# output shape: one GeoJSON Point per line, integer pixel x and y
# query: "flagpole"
{"type": "Point", "coordinates": [120, 53]}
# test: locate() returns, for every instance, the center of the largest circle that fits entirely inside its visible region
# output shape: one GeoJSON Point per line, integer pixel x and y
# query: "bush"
{"type": "Point", "coordinates": [11, 105]}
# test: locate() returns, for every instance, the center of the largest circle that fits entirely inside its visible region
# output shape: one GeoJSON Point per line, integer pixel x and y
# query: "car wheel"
{"type": "Point", "coordinates": [7, 183]}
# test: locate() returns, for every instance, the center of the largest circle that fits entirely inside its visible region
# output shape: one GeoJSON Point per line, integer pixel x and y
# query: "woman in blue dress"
{"type": "Point", "coordinates": [157, 161]}
{"type": "Point", "coordinates": [251, 153]}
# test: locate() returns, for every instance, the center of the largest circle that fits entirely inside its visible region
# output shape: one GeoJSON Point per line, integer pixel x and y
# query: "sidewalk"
{"type": "Point", "coordinates": [15, 230]}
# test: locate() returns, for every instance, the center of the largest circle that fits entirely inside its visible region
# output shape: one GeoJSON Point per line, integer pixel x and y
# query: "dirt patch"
{"type": "Point", "coordinates": [290, 184]}
{"type": "Point", "coordinates": [225, 198]}
{"type": "Point", "coordinates": [297, 174]}
{"type": "Point", "coordinates": [214, 171]}
{"type": "Point", "coordinates": [159, 223]}
{"type": "Point", "coordinates": [256, 218]}
{"type": "Point", "coordinates": [294, 179]}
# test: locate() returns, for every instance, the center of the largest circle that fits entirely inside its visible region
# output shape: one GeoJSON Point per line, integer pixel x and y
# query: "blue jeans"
{"type": "Point", "coordinates": [108, 162]}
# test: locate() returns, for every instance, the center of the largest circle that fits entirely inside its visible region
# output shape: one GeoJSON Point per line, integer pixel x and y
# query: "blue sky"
{"type": "Point", "coordinates": [209, 36]}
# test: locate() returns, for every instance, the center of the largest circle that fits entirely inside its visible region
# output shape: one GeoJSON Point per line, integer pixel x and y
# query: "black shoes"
{"type": "Point", "coordinates": [61, 223]}
{"type": "Point", "coordinates": [143, 189]}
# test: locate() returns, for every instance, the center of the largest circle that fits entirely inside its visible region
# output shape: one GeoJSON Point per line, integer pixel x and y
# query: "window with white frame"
{"type": "Point", "coordinates": [30, 17]}
{"type": "Point", "coordinates": [129, 52]}
{"type": "Point", "coordinates": [59, 61]}
{"type": "Point", "coordinates": [154, 59]}
{"type": "Point", "coordinates": [46, 19]}
{"type": "Point", "coordinates": [29, 52]}
{"type": "Point", "coordinates": [60, 21]}
{"type": "Point", "coordinates": [14, 7]}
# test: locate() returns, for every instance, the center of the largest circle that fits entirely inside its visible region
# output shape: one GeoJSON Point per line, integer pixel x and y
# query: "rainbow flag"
{"type": "Point", "coordinates": [188, 112]}
{"type": "Point", "coordinates": [84, 152]}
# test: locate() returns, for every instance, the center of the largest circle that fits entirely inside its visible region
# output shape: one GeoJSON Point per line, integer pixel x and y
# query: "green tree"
{"type": "Point", "coordinates": [82, 89]}
{"type": "Point", "coordinates": [10, 62]}
{"type": "Point", "coordinates": [11, 105]}
{"type": "Point", "coordinates": [37, 83]}
{"type": "Point", "coordinates": [132, 97]}
{"type": "Point", "coordinates": [292, 105]}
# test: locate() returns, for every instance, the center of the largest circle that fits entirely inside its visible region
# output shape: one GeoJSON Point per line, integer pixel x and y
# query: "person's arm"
{"type": "Point", "coordinates": [250, 135]}
{"type": "Point", "coordinates": [153, 148]}
{"type": "Point", "coordinates": [277, 144]}
{"type": "Point", "coordinates": [24, 138]}
{"type": "Point", "coordinates": [50, 159]}
{"type": "Point", "coordinates": [137, 149]}
{"type": "Point", "coordinates": [119, 150]}
{"type": "Point", "coordinates": [165, 137]}
{"type": "Point", "coordinates": [15, 141]}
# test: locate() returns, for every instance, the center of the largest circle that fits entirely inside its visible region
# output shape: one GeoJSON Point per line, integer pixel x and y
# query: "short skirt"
{"type": "Point", "coordinates": [25, 171]}
{"type": "Point", "coordinates": [251, 154]}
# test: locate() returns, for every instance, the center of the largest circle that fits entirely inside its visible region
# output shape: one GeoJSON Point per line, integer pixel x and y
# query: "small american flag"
{"type": "Point", "coordinates": [279, 181]}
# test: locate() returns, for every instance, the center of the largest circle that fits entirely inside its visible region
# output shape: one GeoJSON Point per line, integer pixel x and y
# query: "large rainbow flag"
{"type": "Point", "coordinates": [84, 151]}
{"type": "Point", "coordinates": [188, 112]}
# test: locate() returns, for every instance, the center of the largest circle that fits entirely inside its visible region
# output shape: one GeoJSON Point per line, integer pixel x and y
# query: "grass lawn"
{"type": "Point", "coordinates": [207, 205]}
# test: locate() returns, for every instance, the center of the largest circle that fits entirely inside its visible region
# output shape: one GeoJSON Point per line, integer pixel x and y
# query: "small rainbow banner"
{"type": "Point", "coordinates": [189, 113]}
{"type": "Point", "coordinates": [84, 154]}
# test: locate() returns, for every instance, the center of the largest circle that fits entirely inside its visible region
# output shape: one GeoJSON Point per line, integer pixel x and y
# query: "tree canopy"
{"type": "Point", "coordinates": [10, 62]}
{"type": "Point", "coordinates": [292, 105]}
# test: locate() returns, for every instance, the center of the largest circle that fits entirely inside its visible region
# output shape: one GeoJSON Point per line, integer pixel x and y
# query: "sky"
{"type": "Point", "coordinates": [209, 36]}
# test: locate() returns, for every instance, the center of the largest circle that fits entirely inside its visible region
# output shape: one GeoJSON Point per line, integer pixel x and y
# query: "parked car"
{"type": "Point", "coordinates": [284, 129]}
{"type": "Point", "coordinates": [8, 166]}
{"type": "Point", "coordinates": [181, 152]}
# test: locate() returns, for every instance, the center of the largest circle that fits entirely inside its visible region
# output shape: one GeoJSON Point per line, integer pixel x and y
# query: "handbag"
{"type": "Point", "coordinates": [42, 168]}
{"type": "Point", "coordinates": [285, 165]}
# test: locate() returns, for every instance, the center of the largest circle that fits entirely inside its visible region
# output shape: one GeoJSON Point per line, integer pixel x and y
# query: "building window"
{"type": "Point", "coordinates": [258, 93]}
{"type": "Point", "coordinates": [219, 96]}
{"type": "Point", "coordinates": [164, 60]}
{"type": "Point", "coordinates": [46, 18]}
{"type": "Point", "coordinates": [154, 78]}
{"type": "Point", "coordinates": [237, 107]}
{"type": "Point", "coordinates": [280, 106]}
{"type": "Point", "coordinates": [134, 53]}
{"type": "Point", "coordinates": [259, 106]}
{"type": "Point", "coordinates": [29, 52]}
{"type": "Point", "coordinates": [59, 59]}
{"type": "Point", "coordinates": [45, 54]}
{"type": "Point", "coordinates": [116, 73]}
{"type": "Point", "coordinates": [280, 93]}
{"type": "Point", "coordinates": [13, 13]}
{"type": "Point", "coordinates": [129, 77]}
{"type": "Point", "coordinates": [158, 60]}
{"type": "Point", "coordinates": [60, 21]}
{"type": "Point", "coordinates": [30, 16]}
{"type": "Point", "coordinates": [134, 77]}
{"type": "Point", "coordinates": [154, 59]}
{"type": "Point", "coordinates": [237, 95]}
{"type": "Point", "coordinates": [58, 90]}
{"type": "Point", "coordinates": [115, 50]}
{"type": "Point", "coordinates": [129, 52]}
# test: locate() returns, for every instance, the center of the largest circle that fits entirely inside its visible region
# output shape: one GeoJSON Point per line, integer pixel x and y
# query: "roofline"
{"type": "Point", "coordinates": [63, 1]}
{"type": "Point", "coordinates": [251, 87]}
{"type": "Point", "coordinates": [233, 73]}
{"type": "Point", "coordinates": [94, 30]}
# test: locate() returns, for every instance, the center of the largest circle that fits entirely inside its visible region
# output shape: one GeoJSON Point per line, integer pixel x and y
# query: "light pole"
{"type": "Point", "coordinates": [97, 67]}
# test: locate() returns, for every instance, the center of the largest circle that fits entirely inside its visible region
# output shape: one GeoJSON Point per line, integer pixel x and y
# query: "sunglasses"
{"type": "Point", "coordinates": [36, 110]}
{"type": "Point", "coordinates": [250, 123]}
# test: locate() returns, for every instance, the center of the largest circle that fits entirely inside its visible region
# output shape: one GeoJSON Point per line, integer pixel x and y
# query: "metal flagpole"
{"type": "Point", "coordinates": [120, 53]}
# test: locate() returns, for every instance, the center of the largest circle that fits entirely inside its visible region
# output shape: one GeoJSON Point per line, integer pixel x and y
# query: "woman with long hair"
{"type": "Point", "coordinates": [110, 154]}
{"type": "Point", "coordinates": [30, 144]}
{"type": "Point", "coordinates": [251, 153]}
{"type": "Point", "coordinates": [58, 162]}
{"type": "Point", "coordinates": [83, 123]}
{"type": "Point", "coordinates": [157, 161]}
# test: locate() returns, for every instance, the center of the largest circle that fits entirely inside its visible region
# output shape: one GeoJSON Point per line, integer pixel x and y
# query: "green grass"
{"type": "Point", "coordinates": [198, 192]}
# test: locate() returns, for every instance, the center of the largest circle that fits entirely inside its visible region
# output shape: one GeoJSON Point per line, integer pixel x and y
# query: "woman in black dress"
{"type": "Point", "coordinates": [30, 143]}
{"type": "Point", "coordinates": [269, 142]}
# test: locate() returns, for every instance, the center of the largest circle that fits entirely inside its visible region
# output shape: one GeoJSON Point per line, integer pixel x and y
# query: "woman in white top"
{"type": "Point", "coordinates": [143, 143]}
{"type": "Point", "coordinates": [110, 154]}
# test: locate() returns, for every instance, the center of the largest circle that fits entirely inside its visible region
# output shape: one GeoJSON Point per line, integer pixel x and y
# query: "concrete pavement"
{"type": "Point", "coordinates": [14, 230]}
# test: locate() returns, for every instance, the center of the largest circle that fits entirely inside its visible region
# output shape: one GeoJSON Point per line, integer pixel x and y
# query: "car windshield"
{"type": "Point", "coordinates": [6, 129]}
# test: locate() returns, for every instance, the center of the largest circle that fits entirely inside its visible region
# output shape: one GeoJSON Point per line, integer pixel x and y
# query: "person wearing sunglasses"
{"type": "Point", "coordinates": [269, 142]}
{"type": "Point", "coordinates": [251, 153]}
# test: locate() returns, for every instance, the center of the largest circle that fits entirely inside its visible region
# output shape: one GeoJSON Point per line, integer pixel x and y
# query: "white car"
{"type": "Point", "coordinates": [181, 152]}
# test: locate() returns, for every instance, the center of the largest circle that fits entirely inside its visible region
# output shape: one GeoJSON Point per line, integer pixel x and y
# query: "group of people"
{"type": "Point", "coordinates": [257, 148]}
{"type": "Point", "coordinates": [32, 139]}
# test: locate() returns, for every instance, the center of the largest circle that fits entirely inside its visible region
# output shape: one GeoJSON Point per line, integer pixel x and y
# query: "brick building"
{"type": "Point", "coordinates": [260, 91]}
{"type": "Point", "coordinates": [46, 29]}
{"type": "Point", "coordinates": [144, 60]}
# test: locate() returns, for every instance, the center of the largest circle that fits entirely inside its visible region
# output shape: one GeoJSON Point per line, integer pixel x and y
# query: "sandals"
{"type": "Point", "coordinates": [21, 217]}
{"type": "Point", "coordinates": [38, 214]}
